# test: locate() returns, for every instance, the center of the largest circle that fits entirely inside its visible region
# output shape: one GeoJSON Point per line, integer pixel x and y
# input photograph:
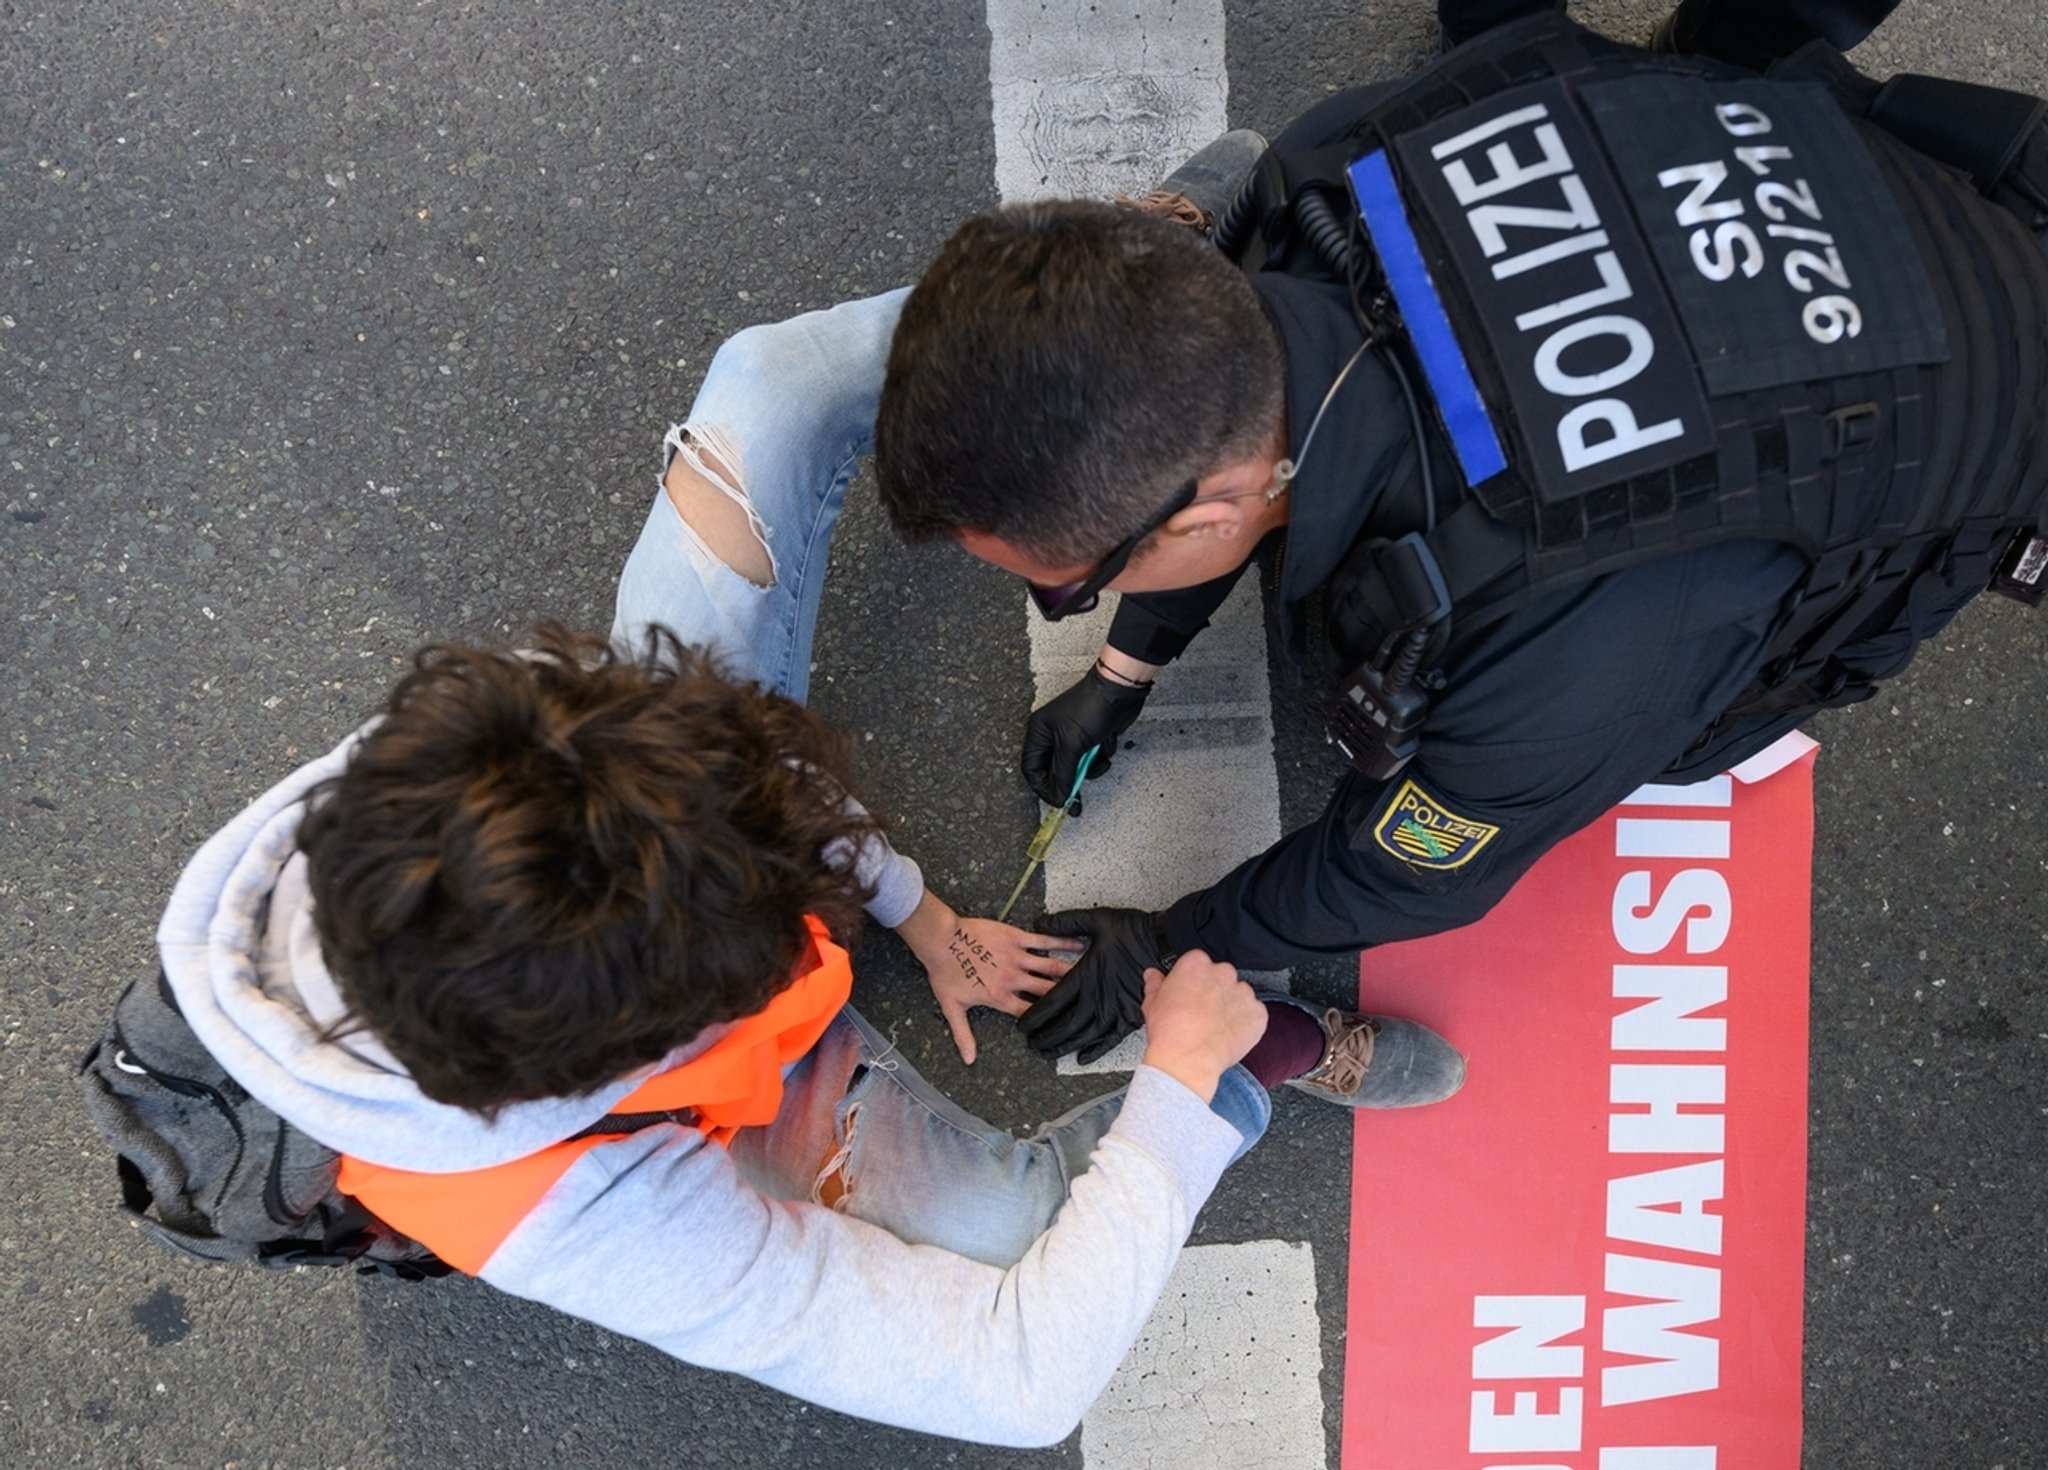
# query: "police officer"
{"type": "Point", "coordinates": [1600, 416]}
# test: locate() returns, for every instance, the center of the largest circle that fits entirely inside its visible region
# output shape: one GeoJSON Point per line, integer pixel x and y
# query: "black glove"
{"type": "Point", "coordinates": [1101, 1000]}
{"type": "Point", "coordinates": [1094, 712]}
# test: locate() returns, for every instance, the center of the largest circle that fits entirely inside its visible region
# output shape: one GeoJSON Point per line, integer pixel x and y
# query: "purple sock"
{"type": "Point", "coordinates": [1292, 1045]}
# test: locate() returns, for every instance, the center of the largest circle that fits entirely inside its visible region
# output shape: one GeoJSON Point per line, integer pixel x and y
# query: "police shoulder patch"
{"type": "Point", "coordinates": [1424, 833]}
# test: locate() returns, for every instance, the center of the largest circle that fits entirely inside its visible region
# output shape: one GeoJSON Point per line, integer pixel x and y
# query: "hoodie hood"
{"type": "Point", "coordinates": [240, 953]}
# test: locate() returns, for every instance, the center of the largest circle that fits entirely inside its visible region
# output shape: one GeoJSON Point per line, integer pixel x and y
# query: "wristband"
{"type": "Point", "coordinates": [1124, 679]}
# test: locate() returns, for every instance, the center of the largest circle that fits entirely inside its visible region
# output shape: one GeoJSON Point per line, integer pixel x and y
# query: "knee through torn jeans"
{"type": "Point", "coordinates": [785, 413]}
{"type": "Point", "coordinates": [861, 1131]}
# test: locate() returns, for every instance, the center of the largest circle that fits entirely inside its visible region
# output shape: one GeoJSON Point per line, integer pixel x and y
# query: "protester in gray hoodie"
{"type": "Point", "coordinates": [538, 885]}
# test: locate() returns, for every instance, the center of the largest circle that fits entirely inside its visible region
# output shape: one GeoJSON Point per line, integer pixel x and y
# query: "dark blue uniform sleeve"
{"type": "Point", "coordinates": [1157, 626]}
{"type": "Point", "coordinates": [1551, 717]}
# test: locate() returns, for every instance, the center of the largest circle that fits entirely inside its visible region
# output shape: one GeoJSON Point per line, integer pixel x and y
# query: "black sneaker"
{"type": "Point", "coordinates": [1211, 179]}
{"type": "Point", "coordinates": [1376, 1061]}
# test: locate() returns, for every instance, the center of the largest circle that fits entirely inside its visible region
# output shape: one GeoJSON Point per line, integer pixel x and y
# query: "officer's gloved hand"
{"type": "Point", "coordinates": [1093, 712]}
{"type": "Point", "coordinates": [1101, 1000]}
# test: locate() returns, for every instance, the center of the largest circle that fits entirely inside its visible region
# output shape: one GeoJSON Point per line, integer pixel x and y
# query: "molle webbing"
{"type": "Point", "coordinates": [1834, 465]}
{"type": "Point", "coordinates": [1900, 464]}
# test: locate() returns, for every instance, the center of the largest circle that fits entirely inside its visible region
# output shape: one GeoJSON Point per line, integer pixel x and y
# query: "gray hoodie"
{"type": "Point", "coordinates": [655, 1235]}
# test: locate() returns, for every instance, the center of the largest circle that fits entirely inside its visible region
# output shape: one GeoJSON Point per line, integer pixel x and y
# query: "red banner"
{"type": "Point", "coordinates": [1592, 1257]}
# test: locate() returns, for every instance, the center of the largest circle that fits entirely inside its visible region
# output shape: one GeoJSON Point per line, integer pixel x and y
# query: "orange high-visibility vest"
{"type": "Point", "coordinates": [736, 1083]}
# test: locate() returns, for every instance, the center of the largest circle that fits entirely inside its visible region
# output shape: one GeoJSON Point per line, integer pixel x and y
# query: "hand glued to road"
{"type": "Point", "coordinates": [981, 962]}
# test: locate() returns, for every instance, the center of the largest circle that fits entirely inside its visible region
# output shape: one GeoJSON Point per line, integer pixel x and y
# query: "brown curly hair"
{"type": "Point", "coordinates": [540, 871]}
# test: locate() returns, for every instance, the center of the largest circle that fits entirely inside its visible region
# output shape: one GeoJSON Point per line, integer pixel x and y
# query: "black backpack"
{"type": "Point", "coordinates": [208, 1170]}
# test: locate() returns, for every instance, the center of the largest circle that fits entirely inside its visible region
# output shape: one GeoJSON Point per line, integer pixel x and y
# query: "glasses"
{"type": "Point", "coordinates": [1070, 598]}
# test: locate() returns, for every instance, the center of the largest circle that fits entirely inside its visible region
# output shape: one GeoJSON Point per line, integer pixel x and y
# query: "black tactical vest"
{"type": "Point", "coordinates": [1657, 303]}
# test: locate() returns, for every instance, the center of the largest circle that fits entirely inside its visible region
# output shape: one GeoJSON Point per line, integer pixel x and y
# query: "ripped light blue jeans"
{"type": "Point", "coordinates": [789, 409]}
{"type": "Point", "coordinates": [858, 1120]}
{"type": "Point", "coordinates": [780, 425]}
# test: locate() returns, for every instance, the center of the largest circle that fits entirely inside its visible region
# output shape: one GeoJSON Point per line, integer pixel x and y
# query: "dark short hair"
{"type": "Point", "coordinates": [1060, 370]}
{"type": "Point", "coordinates": [538, 872]}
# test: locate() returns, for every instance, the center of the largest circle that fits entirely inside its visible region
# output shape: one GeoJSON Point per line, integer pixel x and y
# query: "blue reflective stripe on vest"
{"type": "Point", "coordinates": [1443, 362]}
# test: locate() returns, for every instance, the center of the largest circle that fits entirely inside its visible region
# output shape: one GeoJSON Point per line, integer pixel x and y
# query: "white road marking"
{"type": "Point", "coordinates": [1094, 102]}
{"type": "Point", "coordinates": [1099, 102]}
{"type": "Point", "coordinates": [1227, 1373]}
{"type": "Point", "coordinates": [1196, 796]}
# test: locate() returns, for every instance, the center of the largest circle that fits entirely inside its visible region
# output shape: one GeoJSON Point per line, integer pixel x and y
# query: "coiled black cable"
{"type": "Point", "coordinates": [1327, 235]}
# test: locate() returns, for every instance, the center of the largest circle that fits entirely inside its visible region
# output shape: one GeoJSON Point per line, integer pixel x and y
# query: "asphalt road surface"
{"type": "Point", "coordinates": [327, 330]}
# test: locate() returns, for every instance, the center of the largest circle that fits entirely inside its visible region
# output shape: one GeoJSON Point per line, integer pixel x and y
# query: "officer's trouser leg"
{"type": "Point", "coordinates": [1464, 19]}
{"type": "Point", "coordinates": [1750, 33]}
{"type": "Point", "coordinates": [1998, 137]}
{"type": "Point", "coordinates": [1754, 33]}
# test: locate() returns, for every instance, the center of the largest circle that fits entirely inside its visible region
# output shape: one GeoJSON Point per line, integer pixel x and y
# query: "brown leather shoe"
{"type": "Point", "coordinates": [1376, 1061]}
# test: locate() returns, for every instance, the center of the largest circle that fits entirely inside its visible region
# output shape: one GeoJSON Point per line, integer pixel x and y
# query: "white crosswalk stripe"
{"type": "Point", "coordinates": [1097, 102]}
{"type": "Point", "coordinates": [1227, 1372]}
